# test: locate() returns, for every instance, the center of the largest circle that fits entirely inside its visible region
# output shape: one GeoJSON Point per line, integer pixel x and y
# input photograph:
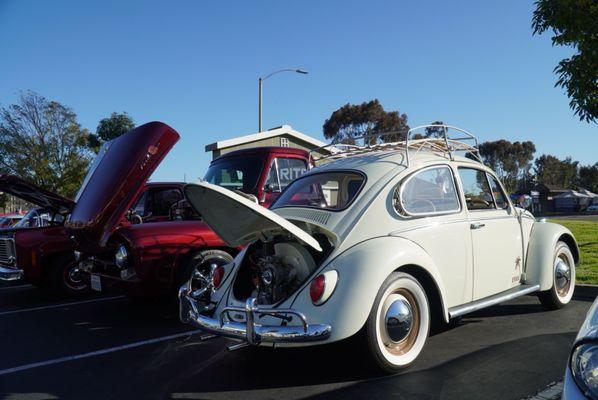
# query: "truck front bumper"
{"type": "Point", "coordinates": [11, 274]}
{"type": "Point", "coordinates": [250, 331]}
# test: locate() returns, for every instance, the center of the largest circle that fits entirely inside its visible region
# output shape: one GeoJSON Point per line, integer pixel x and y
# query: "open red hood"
{"type": "Point", "coordinates": [114, 181]}
{"type": "Point", "coordinates": [31, 193]}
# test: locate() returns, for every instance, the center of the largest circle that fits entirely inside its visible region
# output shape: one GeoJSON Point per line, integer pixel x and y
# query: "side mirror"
{"type": "Point", "coordinates": [268, 188]}
{"type": "Point", "coordinates": [525, 201]}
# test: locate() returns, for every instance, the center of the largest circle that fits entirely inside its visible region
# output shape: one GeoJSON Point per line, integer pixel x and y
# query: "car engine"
{"type": "Point", "coordinates": [275, 277]}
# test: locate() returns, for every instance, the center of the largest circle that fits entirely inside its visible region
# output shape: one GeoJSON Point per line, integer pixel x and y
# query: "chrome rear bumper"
{"type": "Point", "coordinates": [249, 331]}
{"type": "Point", "coordinates": [11, 274]}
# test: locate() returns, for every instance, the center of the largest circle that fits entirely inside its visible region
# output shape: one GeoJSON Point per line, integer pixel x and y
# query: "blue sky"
{"type": "Point", "coordinates": [194, 65]}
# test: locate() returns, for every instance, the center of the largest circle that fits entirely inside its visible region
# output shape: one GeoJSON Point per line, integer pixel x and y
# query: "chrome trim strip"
{"type": "Point", "coordinates": [492, 300]}
{"type": "Point", "coordinates": [11, 274]}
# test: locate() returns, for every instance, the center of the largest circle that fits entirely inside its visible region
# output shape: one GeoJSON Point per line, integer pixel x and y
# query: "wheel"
{"type": "Point", "coordinates": [399, 322]}
{"type": "Point", "coordinates": [563, 279]}
{"type": "Point", "coordinates": [64, 277]}
{"type": "Point", "coordinates": [198, 268]}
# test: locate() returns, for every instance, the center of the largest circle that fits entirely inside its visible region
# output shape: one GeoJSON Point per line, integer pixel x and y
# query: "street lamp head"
{"type": "Point", "coordinates": [301, 71]}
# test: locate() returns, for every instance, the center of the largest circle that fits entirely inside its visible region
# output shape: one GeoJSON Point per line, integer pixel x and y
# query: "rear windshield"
{"type": "Point", "coordinates": [236, 173]}
{"type": "Point", "coordinates": [330, 190]}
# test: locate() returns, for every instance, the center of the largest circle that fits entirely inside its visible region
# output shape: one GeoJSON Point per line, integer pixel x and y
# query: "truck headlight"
{"type": "Point", "coordinates": [120, 258]}
{"type": "Point", "coordinates": [584, 368]}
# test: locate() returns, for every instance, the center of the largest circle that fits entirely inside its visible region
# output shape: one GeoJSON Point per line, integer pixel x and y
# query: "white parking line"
{"type": "Point", "coordinates": [95, 353]}
{"type": "Point", "coordinates": [74, 303]}
{"type": "Point", "coordinates": [16, 287]}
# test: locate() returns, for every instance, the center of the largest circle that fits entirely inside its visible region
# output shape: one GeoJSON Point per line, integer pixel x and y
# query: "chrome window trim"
{"type": "Point", "coordinates": [400, 186]}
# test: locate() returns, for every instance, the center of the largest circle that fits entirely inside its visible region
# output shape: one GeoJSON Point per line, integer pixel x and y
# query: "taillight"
{"type": "Point", "coordinates": [322, 286]}
{"type": "Point", "coordinates": [217, 275]}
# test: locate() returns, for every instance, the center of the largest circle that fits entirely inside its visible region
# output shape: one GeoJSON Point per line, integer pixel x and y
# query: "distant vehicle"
{"type": "Point", "coordinates": [7, 221]}
{"type": "Point", "coordinates": [381, 242]}
{"type": "Point", "coordinates": [581, 374]}
{"type": "Point", "coordinates": [592, 209]}
{"type": "Point", "coordinates": [165, 245]}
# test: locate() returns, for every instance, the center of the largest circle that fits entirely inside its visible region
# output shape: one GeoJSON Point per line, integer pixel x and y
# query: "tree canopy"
{"type": "Point", "coordinates": [588, 177]}
{"type": "Point", "coordinates": [510, 161]}
{"type": "Point", "coordinates": [574, 23]}
{"type": "Point", "coordinates": [367, 118]}
{"type": "Point", "coordinates": [552, 171]}
{"type": "Point", "coordinates": [41, 141]}
{"type": "Point", "coordinates": [110, 128]}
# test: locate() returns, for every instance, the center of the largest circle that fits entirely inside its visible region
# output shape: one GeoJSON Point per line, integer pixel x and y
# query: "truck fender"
{"type": "Point", "coordinates": [539, 262]}
{"type": "Point", "coordinates": [361, 271]}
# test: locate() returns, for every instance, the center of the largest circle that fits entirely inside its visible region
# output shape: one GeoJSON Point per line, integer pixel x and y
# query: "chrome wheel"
{"type": "Point", "coordinates": [400, 325]}
{"type": "Point", "coordinates": [73, 279]}
{"type": "Point", "coordinates": [562, 275]}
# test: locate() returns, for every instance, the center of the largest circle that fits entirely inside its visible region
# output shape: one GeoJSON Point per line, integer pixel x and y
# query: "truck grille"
{"type": "Point", "coordinates": [7, 251]}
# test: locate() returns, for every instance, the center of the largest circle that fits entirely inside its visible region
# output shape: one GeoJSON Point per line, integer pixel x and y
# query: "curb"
{"type": "Point", "coordinates": [586, 291]}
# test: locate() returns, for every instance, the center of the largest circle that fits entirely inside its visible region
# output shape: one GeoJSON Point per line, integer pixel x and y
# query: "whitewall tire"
{"type": "Point", "coordinates": [563, 278]}
{"type": "Point", "coordinates": [399, 322]}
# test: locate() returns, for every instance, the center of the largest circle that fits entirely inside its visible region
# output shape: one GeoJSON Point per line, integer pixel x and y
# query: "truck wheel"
{"type": "Point", "coordinates": [399, 322]}
{"type": "Point", "coordinates": [198, 267]}
{"type": "Point", "coordinates": [65, 278]}
{"type": "Point", "coordinates": [563, 279]}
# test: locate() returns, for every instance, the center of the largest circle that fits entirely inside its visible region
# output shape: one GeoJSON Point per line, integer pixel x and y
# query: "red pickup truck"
{"type": "Point", "coordinates": [160, 250]}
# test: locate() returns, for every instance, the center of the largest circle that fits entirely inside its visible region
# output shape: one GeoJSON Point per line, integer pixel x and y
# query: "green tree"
{"type": "Point", "coordinates": [41, 141]}
{"type": "Point", "coordinates": [588, 177]}
{"type": "Point", "coordinates": [435, 131]}
{"type": "Point", "coordinates": [510, 161]}
{"type": "Point", "coordinates": [367, 118]}
{"type": "Point", "coordinates": [574, 24]}
{"type": "Point", "coordinates": [110, 128]}
{"type": "Point", "coordinates": [553, 171]}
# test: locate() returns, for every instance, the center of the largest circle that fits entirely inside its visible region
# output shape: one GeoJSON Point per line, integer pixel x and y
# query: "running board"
{"type": "Point", "coordinates": [510, 294]}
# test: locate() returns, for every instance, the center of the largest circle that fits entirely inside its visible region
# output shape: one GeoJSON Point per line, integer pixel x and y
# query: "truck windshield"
{"type": "Point", "coordinates": [330, 190]}
{"type": "Point", "coordinates": [238, 173]}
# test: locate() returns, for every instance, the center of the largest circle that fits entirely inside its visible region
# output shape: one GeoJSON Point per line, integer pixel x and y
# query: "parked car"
{"type": "Point", "coordinates": [151, 259]}
{"type": "Point", "coordinates": [381, 242]}
{"type": "Point", "coordinates": [6, 221]}
{"type": "Point", "coordinates": [581, 374]}
{"type": "Point", "coordinates": [592, 209]}
{"type": "Point", "coordinates": [38, 248]}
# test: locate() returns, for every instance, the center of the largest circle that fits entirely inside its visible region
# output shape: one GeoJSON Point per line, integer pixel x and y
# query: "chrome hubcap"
{"type": "Point", "coordinates": [398, 320]}
{"type": "Point", "coordinates": [75, 275]}
{"type": "Point", "coordinates": [562, 275]}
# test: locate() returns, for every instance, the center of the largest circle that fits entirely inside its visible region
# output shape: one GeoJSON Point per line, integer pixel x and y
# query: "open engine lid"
{"type": "Point", "coordinates": [34, 194]}
{"type": "Point", "coordinates": [238, 220]}
{"type": "Point", "coordinates": [115, 179]}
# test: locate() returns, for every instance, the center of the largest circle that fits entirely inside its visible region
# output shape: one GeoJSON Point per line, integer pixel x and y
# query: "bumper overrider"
{"type": "Point", "coordinates": [250, 331]}
{"type": "Point", "coordinates": [11, 274]}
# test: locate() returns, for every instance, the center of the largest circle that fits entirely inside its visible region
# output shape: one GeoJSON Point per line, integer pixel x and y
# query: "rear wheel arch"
{"type": "Point", "coordinates": [436, 302]}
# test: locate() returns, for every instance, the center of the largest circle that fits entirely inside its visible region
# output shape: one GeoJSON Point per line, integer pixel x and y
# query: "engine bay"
{"type": "Point", "coordinates": [272, 271]}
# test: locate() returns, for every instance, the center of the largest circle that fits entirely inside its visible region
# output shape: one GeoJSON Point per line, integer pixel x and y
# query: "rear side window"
{"type": "Point", "coordinates": [499, 195]}
{"type": "Point", "coordinates": [283, 171]}
{"type": "Point", "coordinates": [428, 192]}
{"type": "Point", "coordinates": [476, 189]}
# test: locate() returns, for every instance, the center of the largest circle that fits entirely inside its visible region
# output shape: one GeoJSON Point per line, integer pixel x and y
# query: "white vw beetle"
{"type": "Point", "coordinates": [379, 241]}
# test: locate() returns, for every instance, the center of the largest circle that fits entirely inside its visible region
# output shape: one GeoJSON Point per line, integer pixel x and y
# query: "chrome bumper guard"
{"type": "Point", "coordinates": [11, 274]}
{"type": "Point", "coordinates": [249, 331]}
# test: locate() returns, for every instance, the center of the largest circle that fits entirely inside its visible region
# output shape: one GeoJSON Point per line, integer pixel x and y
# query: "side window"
{"type": "Point", "coordinates": [476, 189]}
{"type": "Point", "coordinates": [499, 195]}
{"type": "Point", "coordinates": [283, 171]}
{"type": "Point", "coordinates": [431, 191]}
{"type": "Point", "coordinates": [290, 169]}
{"type": "Point", "coordinates": [139, 207]}
{"type": "Point", "coordinates": [160, 201]}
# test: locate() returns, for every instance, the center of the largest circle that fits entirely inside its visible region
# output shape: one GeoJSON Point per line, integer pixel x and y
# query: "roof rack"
{"type": "Point", "coordinates": [444, 145]}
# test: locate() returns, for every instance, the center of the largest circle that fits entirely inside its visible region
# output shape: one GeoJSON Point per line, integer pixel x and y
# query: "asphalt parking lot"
{"type": "Point", "coordinates": [112, 348]}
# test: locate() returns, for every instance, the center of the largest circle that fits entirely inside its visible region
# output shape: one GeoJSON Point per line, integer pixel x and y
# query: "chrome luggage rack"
{"type": "Point", "coordinates": [444, 145]}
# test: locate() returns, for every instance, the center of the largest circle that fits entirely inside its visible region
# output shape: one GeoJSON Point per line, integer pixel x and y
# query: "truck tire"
{"type": "Point", "coordinates": [563, 279]}
{"type": "Point", "coordinates": [398, 325]}
{"type": "Point", "coordinates": [64, 278]}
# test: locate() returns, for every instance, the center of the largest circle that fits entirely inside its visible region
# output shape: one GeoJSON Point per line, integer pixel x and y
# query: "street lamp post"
{"type": "Point", "coordinates": [261, 79]}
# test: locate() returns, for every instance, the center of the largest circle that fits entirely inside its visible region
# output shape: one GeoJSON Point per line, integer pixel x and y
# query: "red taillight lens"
{"type": "Point", "coordinates": [217, 276]}
{"type": "Point", "coordinates": [316, 289]}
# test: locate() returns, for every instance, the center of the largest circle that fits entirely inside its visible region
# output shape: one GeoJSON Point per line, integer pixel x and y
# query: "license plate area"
{"type": "Point", "coordinates": [96, 283]}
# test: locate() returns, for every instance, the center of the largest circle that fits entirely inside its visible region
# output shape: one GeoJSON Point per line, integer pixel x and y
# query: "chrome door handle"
{"type": "Point", "coordinates": [477, 225]}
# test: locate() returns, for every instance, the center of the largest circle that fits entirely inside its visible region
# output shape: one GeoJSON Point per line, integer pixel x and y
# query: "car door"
{"type": "Point", "coordinates": [495, 233]}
